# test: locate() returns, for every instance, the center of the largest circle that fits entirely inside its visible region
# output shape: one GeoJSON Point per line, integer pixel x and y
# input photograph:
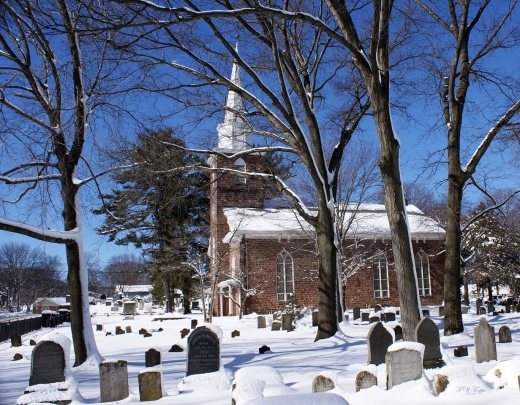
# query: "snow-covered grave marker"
{"type": "Point", "coordinates": [378, 341]}
{"type": "Point", "coordinates": [129, 309]}
{"type": "Point", "coordinates": [261, 322]}
{"type": "Point", "coordinates": [504, 334]}
{"type": "Point", "coordinates": [203, 352]}
{"type": "Point", "coordinates": [427, 333]}
{"type": "Point", "coordinates": [403, 363]}
{"type": "Point", "coordinates": [484, 338]}
{"type": "Point", "coordinates": [152, 358]}
{"type": "Point", "coordinates": [113, 380]}
{"type": "Point", "coordinates": [365, 379]}
{"type": "Point", "coordinates": [288, 322]}
{"type": "Point", "coordinates": [47, 363]}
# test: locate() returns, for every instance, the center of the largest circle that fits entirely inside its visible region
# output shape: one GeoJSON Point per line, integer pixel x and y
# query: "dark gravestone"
{"type": "Point", "coordinates": [276, 325]}
{"type": "Point", "coordinates": [398, 332]}
{"type": "Point", "coordinates": [152, 358]}
{"type": "Point", "coordinates": [482, 310]}
{"type": "Point", "coordinates": [235, 333]}
{"type": "Point", "coordinates": [17, 357]}
{"type": "Point", "coordinates": [47, 363]}
{"type": "Point", "coordinates": [378, 341]}
{"type": "Point", "coordinates": [32, 342]}
{"type": "Point", "coordinates": [356, 311]}
{"type": "Point", "coordinates": [128, 329]}
{"type": "Point", "coordinates": [460, 351]}
{"type": "Point", "coordinates": [203, 352]}
{"type": "Point", "coordinates": [508, 308]}
{"type": "Point", "coordinates": [263, 349]}
{"type": "Point", "coordinates": [185, 332]}
{"type": "Point", "coordinates": [142, 331]}
{"type": "Point", "coordinates": [193, 323]}
{"type": "Point", "coordinates": [427, 333]}
{"type": "Point", "coordinates": [364, 316]}
{"type": "Point", "coordinates": [260, 322]}
{"type": "Point", "coordinates": [504, 334]}
{"type": "Point", "coordinates": [315, 318]}
{"type": "Point", "coordinates": [490, 307]}
{"type": "Point", "coordinates": [16, 340]}
{"type": "Point", "coordinates": [373, 319]}
{"type": "Point", "coordinates": [390, 317]}
{"type": "Point", "coordinates": [108, 334]}
{"type": "Point", "coordinates": [176, 348]}
{"type": "Point", "coordinates": [147, 334]}
{"type": "Point", "coordinates": [99, 327]}
{"type": "Point", "coordinates": [150, 386]}
{"type": "Point", "coordinates": [119, 330]}
{"type": "Point", "coordinates": [377, 308]}
{"type": "Point", "coordinates": [108, 303]}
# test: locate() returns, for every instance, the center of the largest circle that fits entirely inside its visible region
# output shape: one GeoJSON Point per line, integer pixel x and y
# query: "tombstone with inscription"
{"type": "Point", "coordinates": [150, 386]}
{"type": "Point", "coordinates": [152, 358]}
{"type": "Point", "coordinates": [398, 331]}
{"type": "Point", "coordinates": [203, 352]}
{"type": "Point", "coordinates": [504, 334]}
{"type": "Point", "coordinates": [315, 318]}
{"type": "Point", "coordinates": [365, 379]}
{"type": "Point", "coordinates": [288, 322]}
{"type": "Point", "coordinates": [427, 333]}
{"type": "Point", "coordinates": [47, 363]}
{"type": "Point", "coordinates": [113, 380]}
{"type": "Point", "coordinates": [378, 341]}
{"type": "Point", "coordinates": [261, 322]}
{"type": "Point", "coordinates": [322, 383]}
{"type": "Point", "coordinates": [402, 365]}
{"type": "Point", "coordinates": [356, 313]}
{"type": "Point", "coordinates": [484, 338]}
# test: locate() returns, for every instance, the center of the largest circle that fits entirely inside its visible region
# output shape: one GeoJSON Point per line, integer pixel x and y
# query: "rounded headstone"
{"type": "Point", "coordinates": [322, 384]}
{"type": "Point", "coordinates": [365, 379]}
{"type": "Point", "coordinates": [47, 363]}
{"type": "Point", "coordinates": [203, 352]}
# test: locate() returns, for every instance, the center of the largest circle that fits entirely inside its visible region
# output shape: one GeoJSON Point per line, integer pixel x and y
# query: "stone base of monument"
{"type": "Point", "coordinates": [429, 364]}
{"type": "Point", "coordinates": [61, 393]}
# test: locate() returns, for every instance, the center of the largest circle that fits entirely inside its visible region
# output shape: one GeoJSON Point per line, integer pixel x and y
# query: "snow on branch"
{"type": "Point", "coordinates": [45, 235]}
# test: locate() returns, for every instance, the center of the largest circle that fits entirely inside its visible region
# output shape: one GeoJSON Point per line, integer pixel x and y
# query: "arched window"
{"type": "Point", "coordinates": [380, 270]}
{"type": "Point", "coordinates": [423, 273]}
{"type": "Point", "coordinates": [284, 276]}
{"type": "Point", "coordinates": [240, 165]}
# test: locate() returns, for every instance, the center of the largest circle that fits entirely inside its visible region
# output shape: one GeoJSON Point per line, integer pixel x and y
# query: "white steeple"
{"type": "Point", "coordinates": [233, 133]}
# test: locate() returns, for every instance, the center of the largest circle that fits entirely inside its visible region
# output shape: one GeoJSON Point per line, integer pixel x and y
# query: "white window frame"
{"type": "Point", "coordinates": [380, 276]}
{"type": "Point", "coordinates": [284, 268]}
{"type": "Point", "coordinates": [422, 269]}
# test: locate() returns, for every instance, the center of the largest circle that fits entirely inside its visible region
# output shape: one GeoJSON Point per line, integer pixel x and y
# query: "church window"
{"type": "Point", "coordinates": [240, 165]}
{"type": "Point", "coordinates": [380, 269]}
{"type": "Point", "coordinates": [284, 276]}
{"type": "Point", "coordinates": [423, 273]}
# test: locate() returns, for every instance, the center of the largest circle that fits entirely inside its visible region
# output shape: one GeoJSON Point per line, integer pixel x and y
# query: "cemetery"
{"type": "Point", "coordinates": [258, 359]}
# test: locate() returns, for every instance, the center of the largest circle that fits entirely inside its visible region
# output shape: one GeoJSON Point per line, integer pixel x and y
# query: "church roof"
{"type": "Point", "coordinates": [368, 221]}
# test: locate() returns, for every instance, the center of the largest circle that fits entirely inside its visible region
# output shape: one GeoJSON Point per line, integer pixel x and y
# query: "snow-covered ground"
{"type": "Point", "coordinates": [294, 355]}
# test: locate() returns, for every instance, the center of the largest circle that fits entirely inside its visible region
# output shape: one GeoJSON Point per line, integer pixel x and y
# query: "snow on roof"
{"type": "Point", "coordinates": [56, 300]}
{"type": "Point", "coordinates": [136, 288]}
{"type": "Point", "coordinates": [370, 221]}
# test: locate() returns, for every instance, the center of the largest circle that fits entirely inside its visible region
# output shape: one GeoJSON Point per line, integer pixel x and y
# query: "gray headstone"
{"type": "Point", "coordinates": [16, 340]}
{"type": "Point", "coordinates": [356, 311]}
{"type": "Point", "coordinates": [504, 334]}
{"type": "Point", "coordinates": [427, 333]}
{"type": "Point", "coordinates": [113, 380]}
{"type": "Point", "coordinates": [478, 304]}
{"type": "Point", "coordinates": [464, 309]}
{"type": "Point", "coordinates": [365, 379]}
{"type": "Point", "coordinates": [152, 358]}
{"type": "Point", "coordinates": [377, 308]}
{"type": "Point", "coordinates": [315, 318]}
{"type": "Point", "coordinates": [441, 311]}
{"type": "Point", "coordinates": [150, 386]}
{"type": "Point", "coordinates": [129, 308]}
{"type": "Point", "coordinates": [176, 348]}
{"type": "Point", "coordinates": [390, 317]}
{"type": "Point", "coordinates": [47, 363]}
{"type": "Point", "coordinates": [508, 308]}
{"type": "Point", "coordinates": [276, 325]}
{"type": "Point", "coordinates": [483, 310]}
{"type": "Point", "coordinates": [128, 329]}
{"type": "Point", "coordinates": [287, 322]}
{"type": "Point", "coordinates": [401, 366]}
{"type": "Point", "coordinates": [114, 309]}
{"type": "Point", "coordinates": [261, 322]}
{"type": "Point", "coordinates": [484, 338]}
{"type": "Point", "coordinates": [194, 323]}
{"type": "Point", "coordinates": [378, 340]}
{"type": "Point", "coordinates": [398, 331]}
{"type": "Point", "coordinates": [203, 352]}
{"type": "Point", "coordinates": [490, 307]}
{"type": "Point", "coordinates": [364, 316]}
{"type": "Point", "coordinates": [460, 351]}
{"type": "Point", "coordinates": [322, 384]}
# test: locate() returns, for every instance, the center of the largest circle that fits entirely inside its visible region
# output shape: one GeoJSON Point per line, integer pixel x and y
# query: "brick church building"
{"type": "Point", "coordinates": [262, 255]}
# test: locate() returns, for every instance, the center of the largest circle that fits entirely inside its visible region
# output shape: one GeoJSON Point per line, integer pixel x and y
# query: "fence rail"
{"type": "Point", "coordinates": [19, 326]}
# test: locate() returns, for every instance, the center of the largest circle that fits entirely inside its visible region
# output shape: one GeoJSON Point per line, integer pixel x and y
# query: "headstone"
{"type": "Point", "coordinates": [263, 349]}
{"type": "Point", "coordinates": [128, 329]}
{"type": "Point", "coordinates": [119, 330]}
{"type": "Point", "coordinates": [373, 319]}
{"type": "Point", "coordinates": [152, 358]}
{"type": "Point", "coordinates": [356, 313]}
{"type": "Point", "coordinates": [495, 313]}
{"type": "Point", "coordinates": [235, 333]}
{"type": "Point", "coordinates": [377, 308]}
{"type": "Point", "coordinates": [464, 309]}
{"type": "Point", "coordinates": [17, 357]}
{"type": "Point", "coordinates": [490, 307]}
{"type": "Point", "coordinates": [427, 333]}
{"type": "Point", "coordinates": [478, 304]}
{"type": "Point", "coordinates": [113, 380]}
{"type": "Point", "coordinates": [401, 366]}
{"type": "Point", "coordinates": [150, 386]}
{"type": "Point", "coordinates": [276, 325]}
{"type": "Point", "coordinates": [504, 334]}
{"type": "Point", "coordinates": [287, 322]}
{"type": "Point", "coordinates": [390, 316]}
{"type": "Point", "coordinates": [484, 338]}
{"type": "Point", "coordinates": [364, 316]}
{"type": "Point", "coordinates": [483, 310]}
{"type": "Point", "coordinates": [193, 323]}
{"type": "Point", "coordinates": [142, 331]}
{"type": "Point", "coordinates": [47, 363]}
{"type": "Point", "coordinates": [322, 384]}
{"type": "Point", "coordinates": [108, 303]}
{"type": "Point", "coordinates": [508, 308]}
{"type": "Point", "coordinates": [32, 342]}
{"type": "Point", "coordinates": [185, 332]}
{"type": "Point", "coordinates": [114, 309]}
{"type": "Point", "coordinates": [378, 341]}
{"type": "Point", "coordinates": [16, 340]}
{"type": "Point", "coordinates": [426, 313]}
{"type": "Point", "coordinates": [176, 348]}
{"type": "Point", "coordinates": [147, 334]}
{"type": "Point", "coordinates": [99, 327]}
{"type": "Point", "coordinates": [315, 318]}
{"type": "Point", "coordinates": [203, 352]}
{"type": "Point", "coordinates": [441, 311]}
{"type": "Point", "coordinates": [261, 322]}
{"type": "Point", "coordinates": [440, 382]}
{"type": "Point", "coordinates": [460, 351]}
{"type": "Point", "coordinates": [365, 379]}
{"type": "Point", "coordinates": [108, 334]}
{"type": "Point", "coordinates": [398, 331]}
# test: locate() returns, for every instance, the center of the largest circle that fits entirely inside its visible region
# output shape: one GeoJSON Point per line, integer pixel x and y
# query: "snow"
{"type": "Point", "coordinates": [283, 375]}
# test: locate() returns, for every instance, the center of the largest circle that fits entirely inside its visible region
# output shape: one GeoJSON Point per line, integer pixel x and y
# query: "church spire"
{"type": "Point", "coordinates": [232, 133]}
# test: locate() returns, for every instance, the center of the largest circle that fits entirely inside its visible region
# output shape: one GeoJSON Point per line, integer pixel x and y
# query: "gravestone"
{"type": "Point", "coordinates": [108, 303]}
{"type": "Point", "coordinates": [142, 331]}
{"type": "Point", "coordinates": [287, 322]}
{"type": "Point", "coordinates": [276, 325]}
{"type": "Point", "coordinates": [401, 366]}
{"type": "Point", "coordinates": [364, 316]}
{"type": "Point", "coordinates": [322, 384]}
{"type": "Point", "coordinates": [490, 307]}
{"type": "Point", "coordinates": [460, 351]}
{"type": "Point", "coordinates": [508, 308]}
{"type": "Point", "coordinates": [440, 382]}
{"type": "Point", "coordinates": [378, 341]}
{"type": "Point", "coordinates": [427, 333]}
{"type": "Point", "coordinates": [441, 311]}
{"type": "Point", "coordinates": [47, 363]}
{"type": "Point", "coordinates": [377, 308]}
{"type": "Point", "coordinates": [365, 379]}
{"type": "Point", "coordinates": [147, 334]}
{"type": "Point", "coordinates": [16, 340]}
{"type": "Point", "coordinates": [464, 309]}
{"type": "Point", "coordinates": [114, 309]}
{"type": "Point", "coordinates": [150, 386]}
{"type": "Point", "coordinates": [119, 330]}
{"type": "Point", "coordinates": [185, 332]}
{"type": "Point", "coordinates": [17, 357]}
{"type": "Point", "coordinates": [99, 327]}
{"type": "Point", "coordinates": [483, 310]}
{"type": "Point", "coordinates": [113, 380]}
{"type": "Point", "coordinates": [478, 304]}
{"type": "Point", "coordinates": [390, 316]}
{"type": "Point", "coordinates": [426, 313]}
{"type": "Point", "coordinates": [32, 342]}
{"type": "Point", "coordinates": [356, 313]}
{"type": "Point", "coordinates": [484, 338]}
{"type": "Point", "coordinates": [129, 308]}
{"type": "Point", "coordinates": [176, 348]}
{"type": "Point", "coordinates": [373, 319]}
{"type": "Point", "coordinates": [108, 334]}
{"type": "Point", "coordinates": [398, 331]}
{"type": "Point", "coordinates": [235, 333]}
{"type": "Point", "coordinates": [315, 318]}
{"type": "Point", "coordinates": [152, 358]}
{"type": "Point", "coordinates": [193, 323]}
{"type": "Point", "coordinates": [128, 329]}
{"type": "Point", "coordinates": [504, 334]}
{"type": "Point", "coordinates": [260, 322]}
{"type": "Point", "coordinates": [203, 352]}
{"type": "Point", "coordinates": [263, 349]}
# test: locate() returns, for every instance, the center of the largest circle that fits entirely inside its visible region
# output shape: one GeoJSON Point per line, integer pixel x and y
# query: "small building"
{"type": "Point", "coordinates": [51, 304]}
{"type": "Point", "coordinates": [134, 292]}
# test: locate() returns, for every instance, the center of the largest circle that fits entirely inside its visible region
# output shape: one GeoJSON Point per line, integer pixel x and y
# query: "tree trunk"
{"type": "Point", "coordinates": [466, 288]}
{"type": "Point", "coordinates": [167, 290]}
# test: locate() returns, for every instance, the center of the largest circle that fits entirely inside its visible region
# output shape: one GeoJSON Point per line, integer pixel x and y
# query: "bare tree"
{"type": "Point", "coordinates": [123, 271]}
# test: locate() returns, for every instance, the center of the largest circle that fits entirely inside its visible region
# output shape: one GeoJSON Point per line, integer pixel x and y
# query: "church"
{"type": "Point", "coordinates": [263, 256]}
